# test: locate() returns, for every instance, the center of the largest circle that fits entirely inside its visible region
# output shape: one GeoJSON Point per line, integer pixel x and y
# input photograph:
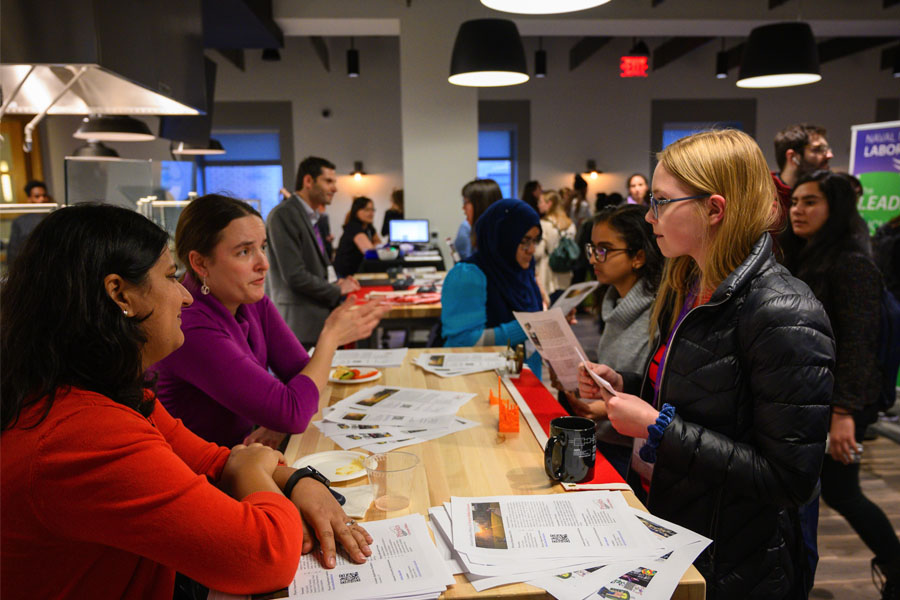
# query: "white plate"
{"type": "Point", "coordinates": [328, 464]}
{"type": "Point", "coordinates": [374, 377]}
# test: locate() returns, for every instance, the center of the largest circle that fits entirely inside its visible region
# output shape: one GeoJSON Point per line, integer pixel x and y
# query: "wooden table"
{"type": "Point", "coordinates": [474, 462]}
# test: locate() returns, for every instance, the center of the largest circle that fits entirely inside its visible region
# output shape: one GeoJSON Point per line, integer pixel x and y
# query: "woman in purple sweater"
{"type": "Point", "coordinates": [240, 364]}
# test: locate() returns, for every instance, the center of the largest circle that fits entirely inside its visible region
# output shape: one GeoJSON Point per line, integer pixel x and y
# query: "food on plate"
{"type": "Point", "coordinates": [354, 466]}
{"type": "Point", "coordinates": [347, 374]}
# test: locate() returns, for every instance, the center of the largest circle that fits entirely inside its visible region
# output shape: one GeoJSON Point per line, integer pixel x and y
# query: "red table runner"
{"type": "Point", "coordinates": [545, 408]}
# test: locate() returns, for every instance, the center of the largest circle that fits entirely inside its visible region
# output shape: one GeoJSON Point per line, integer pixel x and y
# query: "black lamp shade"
{"type": "Point", "coordinates": [540, 63]}
{"type": "Point", "coordinates": [488, 53]}
{"type": "Point", "coordinates": [779, 55]}
{"type": "Point", "coordinates": [271, 55]}
{"type": "Point", "coordinates": [113, 128]}
{"type": "Point", "coordinates": [95, 149]}
{"type": "Point", "coordinates": [352, 62]}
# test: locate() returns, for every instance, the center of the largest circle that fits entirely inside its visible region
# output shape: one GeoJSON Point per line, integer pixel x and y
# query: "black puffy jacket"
{"type": "Point", "coordinates": [750, 377]}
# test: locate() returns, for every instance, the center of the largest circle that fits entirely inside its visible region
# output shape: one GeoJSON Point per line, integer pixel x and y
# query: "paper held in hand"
{"type": "Point", "coordinates": [553, 338]}
{"type": "Point", "coordinates": [574, 295]}
{"type": "Point", "coordinates": [597, 379]}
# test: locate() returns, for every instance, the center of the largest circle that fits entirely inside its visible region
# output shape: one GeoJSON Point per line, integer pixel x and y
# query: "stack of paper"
{"type": "Point", "coordinates": [572, 545]}
{"type": "Point", "coordinates": [383, 418]}
{"type": "Point", "coordinates": [452, 364]}
{"type": "Point", "coordinates": [369, 358]}
{"type": "Point", "coordinates": [404, 564]}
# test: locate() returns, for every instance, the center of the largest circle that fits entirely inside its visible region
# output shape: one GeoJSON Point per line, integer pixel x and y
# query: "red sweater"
{"type": "Point", "coordinates": [100, 502]}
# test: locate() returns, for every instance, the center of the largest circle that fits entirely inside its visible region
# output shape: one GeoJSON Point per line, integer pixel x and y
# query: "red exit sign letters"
{"type": "Point", "coordinates": [633, 66]}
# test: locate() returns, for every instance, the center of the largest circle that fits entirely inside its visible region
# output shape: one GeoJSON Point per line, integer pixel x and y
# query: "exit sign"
{"type": "Point", "coordinates": [633, 66]}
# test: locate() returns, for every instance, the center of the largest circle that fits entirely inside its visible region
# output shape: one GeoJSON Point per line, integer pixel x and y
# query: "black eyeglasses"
{"type": "Point", "coordinates": [599, 253]}
{"type": "Point", "coordinates": [529, 242]}
{"type": "Point", "coordinates": [655, 204]}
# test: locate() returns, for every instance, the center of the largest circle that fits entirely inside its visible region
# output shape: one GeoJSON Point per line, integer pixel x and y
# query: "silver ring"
{"type": "Point", "coordinates": [350, 523]}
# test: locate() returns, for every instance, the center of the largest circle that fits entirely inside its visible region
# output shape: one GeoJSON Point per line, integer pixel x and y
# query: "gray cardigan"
{"type": "Point", "coordinates": [625, 342]}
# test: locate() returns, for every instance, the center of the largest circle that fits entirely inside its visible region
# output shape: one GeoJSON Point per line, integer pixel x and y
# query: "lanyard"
{"type": "Point", "coordinates": [685, 309]}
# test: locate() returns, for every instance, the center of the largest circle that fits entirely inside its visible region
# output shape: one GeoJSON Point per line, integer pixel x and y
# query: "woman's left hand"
{"type": "Point", "coordinates": [629, 415]}
{"type": "Point", "coordinates": [266, 437]}
{"type": "Point", "coordinates": [595, 409]}
{"type": "Point", "coordinates": [324, 516]}
{"type": "Point", "coordinates": [842, 438]}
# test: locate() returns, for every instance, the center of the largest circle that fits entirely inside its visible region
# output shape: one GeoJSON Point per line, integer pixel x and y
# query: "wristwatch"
{"type": "Point", "coordinates": [302, 472]}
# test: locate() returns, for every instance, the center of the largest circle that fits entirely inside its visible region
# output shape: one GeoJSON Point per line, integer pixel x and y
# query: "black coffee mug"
{"type": "Point", "coordinates": [571, 450]}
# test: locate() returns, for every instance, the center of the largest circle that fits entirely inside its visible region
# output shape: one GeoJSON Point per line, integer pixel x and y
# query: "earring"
{"type": "Point", "coordinates": [204, 289]}
{"type": "Point", "coordinates": [125, 312]}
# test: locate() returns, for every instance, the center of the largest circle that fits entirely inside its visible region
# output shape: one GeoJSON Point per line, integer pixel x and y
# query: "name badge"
{"type": "Point", "coordinates": [332, 275]}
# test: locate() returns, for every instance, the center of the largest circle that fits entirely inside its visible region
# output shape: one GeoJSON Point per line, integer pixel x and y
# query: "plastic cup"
{"type": "Point", "coordinates": [391, 474]}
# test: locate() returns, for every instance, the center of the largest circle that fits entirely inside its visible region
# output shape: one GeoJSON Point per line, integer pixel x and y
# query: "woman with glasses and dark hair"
{"type": "Point", "coordinates": [358, 237]}
{"type": "Point", "coordinates": [828, 247]}
{"type": "Point", "coordinates": [481, 293]}
{"type": "Point", "coordinates": [628, 264]}
{"type": "Point", "coordinates": [104, 494]}
{"type": "Point", "coordinates": [730, 417]}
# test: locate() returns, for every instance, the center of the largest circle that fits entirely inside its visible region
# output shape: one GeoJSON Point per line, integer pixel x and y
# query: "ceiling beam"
{"type": "Point", "coordinates": [321, 48]}
{"type": "Point", "coordinates": [776, 3]}
{"type": "Point", "coordinates": [890, 3]}
{"type": "Point", "coordinates": [585, 48]}
{"type": "Point", "coordinates": [233, 55]}
{"type": "Point", "coordinates": [674, 48]}
{"type": "Point", "coordinates": [840, 47]}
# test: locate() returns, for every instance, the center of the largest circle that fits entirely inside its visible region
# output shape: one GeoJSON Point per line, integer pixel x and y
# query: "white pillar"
{"type": "Point", "coordinates": [439, 120]}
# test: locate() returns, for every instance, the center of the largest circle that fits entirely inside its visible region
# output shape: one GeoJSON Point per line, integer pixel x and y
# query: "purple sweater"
{"type": "Point", "coordinates": [219, 382]}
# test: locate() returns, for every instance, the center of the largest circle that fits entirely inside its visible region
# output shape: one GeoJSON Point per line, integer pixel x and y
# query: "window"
{"type": "Point", "coordinates": [497, 158]}
{"type": "Point", "coordinates": [249, 169]}
{"type": "Point", "coordinates": [674, 131]}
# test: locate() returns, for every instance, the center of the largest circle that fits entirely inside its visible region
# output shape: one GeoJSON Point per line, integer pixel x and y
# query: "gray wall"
{"type": "Point", "coordinates": [587, 113]}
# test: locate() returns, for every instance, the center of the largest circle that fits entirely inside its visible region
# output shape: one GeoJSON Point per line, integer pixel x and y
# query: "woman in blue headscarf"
{"type": "Point", "coordinates": [481, 293]}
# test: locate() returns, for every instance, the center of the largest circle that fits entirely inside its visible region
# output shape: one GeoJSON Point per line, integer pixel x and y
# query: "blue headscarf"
{"type": "Point", "coordinates": [509, 287]}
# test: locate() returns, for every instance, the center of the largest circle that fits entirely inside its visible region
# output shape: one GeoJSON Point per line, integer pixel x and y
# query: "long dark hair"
{"type": "Point", "coordinates": [529, 196]}
{"type": "Point", "coordinates": [201, 223]}
{"type": "Point", "coordinates": [481, 193]}
{"type": "Point", "coordinates": [844, 231]}
{"type": "Point", "coordinates": [629, 222]}
{"type": "Point", "coordinates": [59, 327]}
{"type": "Point", "coordinates": [359, 203]}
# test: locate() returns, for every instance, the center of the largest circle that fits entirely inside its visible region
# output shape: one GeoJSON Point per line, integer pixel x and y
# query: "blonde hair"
{"type": "Point", "coordinates": [556, 214]}
{"type": "Point", "coordinates": [729, 163]}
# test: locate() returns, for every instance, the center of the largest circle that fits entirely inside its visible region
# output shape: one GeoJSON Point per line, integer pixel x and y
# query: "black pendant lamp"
{"type": "Point", "coordinates": [488, 53]}
{"type": "Point", "coordinates": [540, 60]}
{"type": "Point", "coordinates": [113, 128]}
{"type": "Point", "coordinates": [352, 61]}
{"type": "Point", "coordinates": [779, 55]}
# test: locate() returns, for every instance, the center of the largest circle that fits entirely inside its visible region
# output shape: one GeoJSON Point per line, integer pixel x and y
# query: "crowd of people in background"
{"type": "Point", "coordinates": [728, 329]}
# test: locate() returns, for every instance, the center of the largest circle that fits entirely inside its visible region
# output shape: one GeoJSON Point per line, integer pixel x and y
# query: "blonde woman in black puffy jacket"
{"type": "Point", "coordinates": [731, 417]}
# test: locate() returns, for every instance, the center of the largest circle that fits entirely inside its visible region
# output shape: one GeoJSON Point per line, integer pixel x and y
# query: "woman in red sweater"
{"type": "Point", "coordinates": [104, 494]}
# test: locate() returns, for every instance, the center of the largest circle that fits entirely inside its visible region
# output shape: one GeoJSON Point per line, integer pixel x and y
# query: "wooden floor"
{"type": "Point", "coordinates": [844, 561]}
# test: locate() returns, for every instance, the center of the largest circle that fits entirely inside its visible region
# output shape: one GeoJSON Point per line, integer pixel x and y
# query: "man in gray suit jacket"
{"type": "Point", "coordinates": [302, 281]}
